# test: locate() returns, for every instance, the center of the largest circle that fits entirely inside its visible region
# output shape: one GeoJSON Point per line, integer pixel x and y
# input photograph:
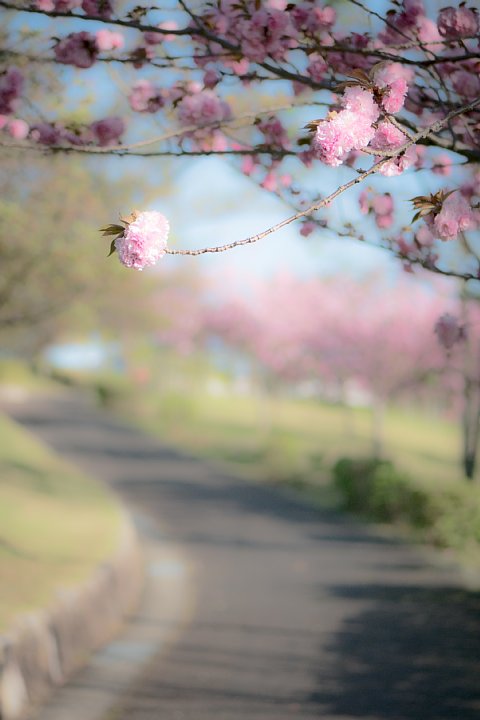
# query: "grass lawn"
{"type": "Point", "coordinates": [293, 439]}
{"type": "Point", "coordinates": [55, 523]}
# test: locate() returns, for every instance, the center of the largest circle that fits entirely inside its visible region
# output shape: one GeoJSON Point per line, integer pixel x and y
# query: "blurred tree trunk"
{"type": "Point", "coordinates": [471, 398]}
{"type": "Point", "coordinates": [348, 414]}
{"type": "Point", "coordinates": [378, 426]}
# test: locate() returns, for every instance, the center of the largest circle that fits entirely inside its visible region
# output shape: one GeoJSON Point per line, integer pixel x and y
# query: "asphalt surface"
{"type": "Point", "coordinates": [298, 613]}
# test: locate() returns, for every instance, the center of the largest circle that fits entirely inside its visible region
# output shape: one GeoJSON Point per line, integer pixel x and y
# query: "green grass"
{"type": "Point", "coordinates": [305, 438]}
{"type": "Point", "coordinates": [56, 524]}
{"type": "Point", "coordinates": [17, 374]}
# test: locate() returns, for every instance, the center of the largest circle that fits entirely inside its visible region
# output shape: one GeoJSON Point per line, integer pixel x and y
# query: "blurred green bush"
{"type": "Point", "coordinates": [376, 489]}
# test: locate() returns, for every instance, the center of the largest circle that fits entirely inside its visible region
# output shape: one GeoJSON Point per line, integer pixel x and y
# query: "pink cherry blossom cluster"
{"type": "Point", "coordinates": [81, 49]}
{"type": "Point", "coordinates": [11, 88]}
{"type": "Point", "coordinates": [347, 130]}
{"type": "Point", "coordinates": [454, 23]}
{"type": "Point", "coordinates": [104, 132]}
{"type": "Point", "coordinates": [274, 132]}
{"type": "Point", "coordinates": [381, 205]}
{"type": "Point", "coordinates": [455, 216]}
{"type": "Point", "coordinates": [202, 107]}
{"type": "Point", "coordinates": [265, 30]}
{"type": "Point", "coordinates": [144, 240]}
{"type": "Point", "coordinates": [389, 137]}
{"type": "Point", "coordinates": [410, 21]}
{"type": "Point", "coordinates": [355, 127]}
{"type": "Point", "coordinates": [17, 128]}
{"type": "Point", "coordinates": [107, 40]}
{"type": "Point", "coordinates": [391, 80]}
{"type": "Point", "coordinates": [145, 97]}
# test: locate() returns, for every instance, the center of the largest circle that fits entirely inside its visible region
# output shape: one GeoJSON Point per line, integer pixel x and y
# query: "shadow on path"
{"type": "Point", "coordinates": [412, 654]}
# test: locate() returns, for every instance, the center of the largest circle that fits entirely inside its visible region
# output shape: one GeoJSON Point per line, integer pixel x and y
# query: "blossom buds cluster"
{"type": "Point", "coordinates": [141, 240]}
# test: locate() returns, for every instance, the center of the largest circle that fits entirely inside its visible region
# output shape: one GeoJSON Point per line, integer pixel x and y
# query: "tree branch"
{"type": "Point", "coordinates": [435, 127]}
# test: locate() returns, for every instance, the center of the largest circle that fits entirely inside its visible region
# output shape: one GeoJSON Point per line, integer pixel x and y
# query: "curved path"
{"type": "Point", "coordinates": [298, 613]}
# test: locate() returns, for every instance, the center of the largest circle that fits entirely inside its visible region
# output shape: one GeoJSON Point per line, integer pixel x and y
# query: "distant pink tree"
{"type": "Point", "coordinates": [338, 330]}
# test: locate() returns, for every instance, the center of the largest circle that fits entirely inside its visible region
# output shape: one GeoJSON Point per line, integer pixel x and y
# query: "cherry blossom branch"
{"type": "Point", "coordinates": [276, 154]}
{"type": "Point", "coordinates": [385, 55]}
{"type": "Point", "coordinates": [240, 120]}
{"type": "Point", "coordinates": [188, 31]}
{"type": "Point", "coordinates": [398, 152]}
{"type": "Point", "coordinates": [134, 24]}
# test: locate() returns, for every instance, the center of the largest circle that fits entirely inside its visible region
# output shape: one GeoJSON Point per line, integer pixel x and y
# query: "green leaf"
{"type": "Point", "coordinates": [112, 248]}
{"type": "Point", "coordinates": [112, 230]}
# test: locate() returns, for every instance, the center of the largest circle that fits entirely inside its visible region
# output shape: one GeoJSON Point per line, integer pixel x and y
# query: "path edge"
{"type": "Point", "coordinates": [42, 650]}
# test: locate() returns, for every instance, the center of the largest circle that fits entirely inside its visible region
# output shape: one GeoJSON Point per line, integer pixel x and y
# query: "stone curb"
{"type": "Point", "coordinates": [42, 650]}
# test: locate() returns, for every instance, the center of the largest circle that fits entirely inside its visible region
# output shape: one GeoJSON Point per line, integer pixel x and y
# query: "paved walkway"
{"type": "Point", "coordinates": [297, 613]}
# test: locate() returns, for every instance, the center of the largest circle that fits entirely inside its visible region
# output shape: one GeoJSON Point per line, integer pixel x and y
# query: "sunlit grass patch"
{"type": "Point", "coordinates": [56, 524]}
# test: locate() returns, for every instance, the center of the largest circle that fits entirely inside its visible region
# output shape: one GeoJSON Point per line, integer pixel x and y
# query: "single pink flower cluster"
{"type": "Point", "coordinates": [310, 18]}
{"type": "Point", "coordinates": [144, 241]}
{"type": "Point", "coordinates": [409, 18]}
{"type": "Point", "coordinates": [108, 130]}
{"type": "Point", "coordinates": [458, 22]}
{"type": "Point", "coordinates": [266, 33]}
{"type": "Point", "coordinates": [11, 88]}
{"type": "Point", "coordinates": [145, 97]}
{"type": "Point", "coordinates": [156, 38]}
{"type": "Point", "coordinates": [455, 216]}
{"type": "Point", "coordinates": [317, 67]}
{"type": "Point", "coordinates": [350, 129]}
{"type": "Point", "coordinates": [392, 80]}
{"type": "Point", "coordinates": [388, 137]}
{"type": "Point", "coordinates": [57, 5]}
{"type": "Point", "coordinates": [107, 40]}
{"type": "Point", "coordinates": [47, 133]}
{"type": "Point", "coordinates": [274, 132]}
{"type": "Point", "coordinates": [442, 164]}
{"type": "Point", "coordinates": [17, 128]}
{"type": "Point", "coordinates": [381, 205]}
{"type": "Point", "coordinates": [466, 82]}
{"type": "Point", "coordinates": [424, 236]}
{"type": "Point", "coordinates": [101, 132]}
{"type": "Point", "coordinates": [79, 49]}
{"type": "Point", "coordinates": [98, 8]}
{"type": "Point", "coordinates": [449, 331]}
{"type": "Point", "coordinates": [203, 107]}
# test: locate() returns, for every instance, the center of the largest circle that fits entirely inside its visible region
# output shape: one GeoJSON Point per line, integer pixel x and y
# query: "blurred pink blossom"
{"type": "Point", "coordinates": [455, 216]}
{"type": "Point", "coordinates": [18, 129]}
{"type": "Point", "coordinates": [108, 40]}
{"type": "Point", "coordinates": [79, 49]}
{"type": "Point", "coordinates": [457, 22]}
{"type": "Point", "coordinates": [108, 130]}
{"type": "Point", "coordinates": [449, 331]}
